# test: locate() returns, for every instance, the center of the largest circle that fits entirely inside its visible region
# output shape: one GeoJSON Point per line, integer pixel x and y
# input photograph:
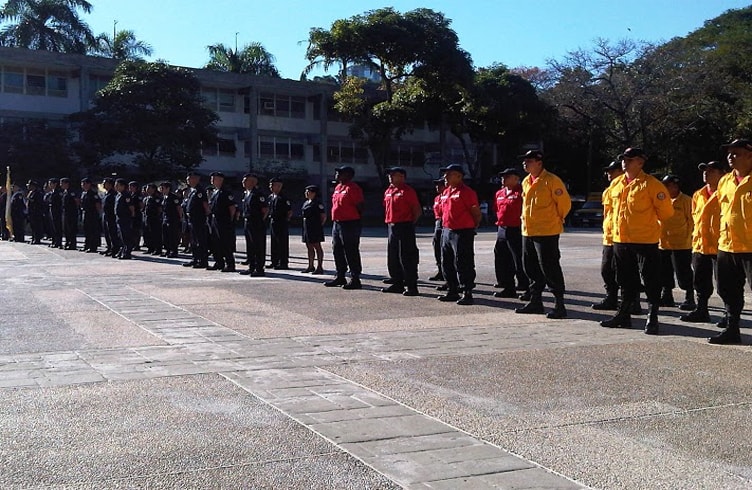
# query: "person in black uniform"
{"type": "Point", "coordinates": [197, 212]}
{"type": "Point", "coordinates": [254, 211]}
{"type": "Point", "coordinates": [222, 207]}
{"type": "Point", "coordinates": [172, 216]}
{"type": "Point", "coordinates": [125, 215]}
{"type": "Point", "coordinates": [153, 220]}
{"type": "Point", "coordinates": [109, 220]}
{"type": "Point", "coordinates": [138, 221]}
{"type": "Point", "coordinates": [314, 217]}
{"type": "Point", "coordinates": [18, 214]}
{"type": "Point", "coordinates": [70, 214]}
{"type": "Point", "coordinates": [91, 209]}
{"type": "Point", "coordinates": [46, 218]}
{"type": "Point", "coordinates": [54, 200]}
{"type": "Point", "coordinates": [280, 212]}
{"type": "Point", "coordinates": [4, 234]}
{"type": "Point", "coordinates": [35, 211]}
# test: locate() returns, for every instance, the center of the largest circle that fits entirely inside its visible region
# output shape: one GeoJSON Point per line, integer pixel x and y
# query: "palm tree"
{"type": "Point", "coordinates": [124, 46]}
{"type": "Point", "coordinates": [51, 25]}
{"type": "Point", "coordinates": [253, 59]}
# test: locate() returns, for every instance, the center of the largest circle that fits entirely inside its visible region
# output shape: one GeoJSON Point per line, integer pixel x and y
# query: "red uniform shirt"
{"type": "Point", "coordinates": [345, 201]}
{"type": "Point", "coordinates": [399, 203]}
{"type": "Point", "coordinates": [509, 206]}
{"type": "Point", "coordinates": [455, 209]}
{"type": "Point", "coordinates": [437, 206]}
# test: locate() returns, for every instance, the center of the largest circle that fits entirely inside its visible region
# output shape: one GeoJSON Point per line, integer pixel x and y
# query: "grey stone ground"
{"type": "Point", "coordinates": [144, 374]}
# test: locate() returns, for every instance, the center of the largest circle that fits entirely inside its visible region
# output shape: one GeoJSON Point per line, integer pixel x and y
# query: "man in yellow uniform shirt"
{"type": "Point", "coordinates": [676, 247]}
{"type": "Point", "coordinates": [545, 204]}
{"type": "Point", "coordinates": [639, 202]}
{"type": "Point", "coordinates": [735, 238]}
{"type": "Point", "coordinates": [608, 263]}
{"type": "Point", "coordinates": [706, 213]}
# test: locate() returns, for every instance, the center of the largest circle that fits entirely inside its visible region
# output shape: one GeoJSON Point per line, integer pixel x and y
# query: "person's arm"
{"type": "Point", "coordinates": [476, 214]}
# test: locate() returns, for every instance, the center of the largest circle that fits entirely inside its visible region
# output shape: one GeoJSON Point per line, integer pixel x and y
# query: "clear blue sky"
{"type": "Point", "coordinates": [513, 32]}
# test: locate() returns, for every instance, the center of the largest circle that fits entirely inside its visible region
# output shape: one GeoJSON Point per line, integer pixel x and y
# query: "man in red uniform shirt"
{"type": "Point", "coordinates": [347, 205]}
{"type": "Point", "coordinates": [460, 215]}
{"type": "Point", "coordinates": [439, 186]}
{"type": "Point", "coordinates": [401, 211]}
{"type": "Point", "coordinates": [508, 248]}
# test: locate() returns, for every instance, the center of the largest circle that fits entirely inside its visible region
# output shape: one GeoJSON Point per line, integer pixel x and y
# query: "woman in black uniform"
{"type": "Point", "coordinates": [314, 217]}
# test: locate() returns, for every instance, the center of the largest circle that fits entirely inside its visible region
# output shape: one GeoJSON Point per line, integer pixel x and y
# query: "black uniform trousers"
{"type": "Point", "coordinates": [222, 238]}
{"type": "Point", "coordinates": [125, 234]}
{"type": "Point", "coordinates": [19, 227]}
{"type": "Point", "coordinates": [346, 247]}
{"type": "Point", "coordinates": [153, 233]}
{"type": "Point", "coordinates": [635, 261]}
{"type": "Point", "coordinates": [508, 258]}
{"type": "Point", "coordinates": [92, 231]}
{"type": "Point", "coordinates": [734, 269]}
{"type": "Point", "coordinates": [402, 253]}
{"type": "Point", "coordinates": [255, 244]}
{"type": "Point", "coordinates": [458, 259]}
{"type": "Point", "coordinates": [540, 257]}
{"type": "Point", "coordinates": [199, 241]}
{"type": "Point", "coordinates": [171, 236]}
{"type": "Point", "coordinates": [677, 262]}
{"type": "Point", "coordinates": [280, 243]}
{"type": "Point", "coordinates": [436, 242]}
{"type": "Point", "coordinates": [70, 229]}
{"type": "Point", "coordinates": [705, 269]}
{"type": "Point", "coordinates": [56, 227]}
{"type": "Point", "coordinates": [36, 221]}
{"type": "Point", "coordinates": [111, 235]}
{"type": "Point", "coordinates": [608, 270]}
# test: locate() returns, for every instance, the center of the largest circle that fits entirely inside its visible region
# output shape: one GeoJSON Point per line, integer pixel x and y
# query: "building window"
{"type": "Point", "coordinates": [226, 101]}
{"type": "Point", "coordinates": [36, 83]}
{"type": "Point", "coordinates": [57, 84]}
{"type": "Point", "coordinates": [281, 106]}
{"type": "Point", "coordinates": [13, 80]}
{"type": "Point", "coordinates": [346, 152]}
{"type": "Point", "coordinates": [226, 147]}
{"type": "Point", "coordinates": [281, 148]}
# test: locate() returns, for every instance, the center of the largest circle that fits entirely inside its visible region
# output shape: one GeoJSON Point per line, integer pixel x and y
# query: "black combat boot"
{"type": "Point", "coordinates": [534, 305]}
{"type": "Point", "coordinates": [689, 301]}
{"type": "Point", "coordinates": [610, 302]}
{"type": "Point", "coordinates": [667, 298]}
{"type": "Point", "coordinates": [699, 314]}
{"type": "Point", "coordinates": [651, 326]}
{"type": "Point", "coordinates": [623, 317]}
{"type": "Point", "coordinates": [730, 334]}
{"type": "Point", "coordinates": [559, 311]}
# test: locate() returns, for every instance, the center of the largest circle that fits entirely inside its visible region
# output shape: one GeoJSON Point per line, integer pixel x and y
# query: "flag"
{"type": "Point", "coordinates": [9, 190]}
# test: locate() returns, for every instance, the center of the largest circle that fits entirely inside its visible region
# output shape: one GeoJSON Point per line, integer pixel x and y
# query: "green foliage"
{"type": "Point", "coordinates": [34, 149]}
{"type": "Point", "coordinates": [50, 25]}
{"type": "Point", "coordinates": [153, 112]}
{"type": "Point", "coordinates": [124, 46]}
{"type": "Point", "coordinates": [253, 59]}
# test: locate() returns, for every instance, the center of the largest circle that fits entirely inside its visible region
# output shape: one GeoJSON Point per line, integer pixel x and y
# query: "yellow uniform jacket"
{"type": "Point", "coordinates": [545, 204]}
{"type": "Point", "coordinates": [706, 212]}
{"type": "Point", "coordinates": [676, 231]}
{"type": "Point", "coordinates": [637, 207]}
{"type": "Point", "coordinates": [736, 214]}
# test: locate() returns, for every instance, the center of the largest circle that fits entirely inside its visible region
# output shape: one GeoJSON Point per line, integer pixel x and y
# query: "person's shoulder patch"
{"type": "Point", "coordinates": [661, 196]}
{"type": "Point", "coordinates": [559, 192]}
{"type": "Point", "coordinates": [127, 199]}
{"type": "Point", "coordinates": [321, 206]}
{"type": "Point", "coordinates": [199, 194]}
{"type": "Point", "coordinates": [262, 199]}
{"type": "Point", "coordinates": [231, 197]}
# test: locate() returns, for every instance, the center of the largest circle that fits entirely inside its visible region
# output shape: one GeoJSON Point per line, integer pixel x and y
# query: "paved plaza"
{"type": "Point", "coordinates": [145, 374]}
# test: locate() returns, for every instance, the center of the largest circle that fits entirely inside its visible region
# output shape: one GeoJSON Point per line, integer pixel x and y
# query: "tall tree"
{"type": "Point", "coordinates": [51, 25]}
{"type": "Point", "coordinates": [253, 59]}
{"type": "Point", "coordinates": [123, 46]}
{"type": "Point", "coordinates": [152, 112]}
{"type": "Point", "coordinates": [418, 60]}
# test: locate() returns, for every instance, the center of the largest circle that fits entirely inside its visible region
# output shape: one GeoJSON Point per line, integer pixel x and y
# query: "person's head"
{"type": "Point", "coordinates": [193, 178]}
{"type": "Point", "coordinates": [165, 187]}
{"type": "Point", "coordinates": [397, 175]}
{"type": "Point", "coordinates": [532, 162]}
{"type": "Point", "coordinates": [510, 178]}
{"type": "Point", "coordinates": [672, 184]}
{"type": "Point", "coordinates": [108, 183]}
{"type": "Point", "coordinates": [53, 183]}
{"type": "Point", "coordinates": [121, 185]}
{"type": "Point", "coordinates": [739, 155]}
{"type": "Point", "coordinates": [275, 185]}
{"type": "Point", "coordinates": [453, 174]}
{"type": "Point", "coordinates": [250, 181]}
{"type": "Point", "coordinates": [217, 179]}
{"type": "Point", "coordinates": [344, 174]}
{"type": "Point", "coordinates": [311, 191]}
{"type": "Point", "coordinates": [86, 183]}
{"type": "Point", "coordinates": [613, 170]}
{"type": "Point", "coordinates": [439, 185]}
{"type": "Point", "coordinates": [65, 183]}
{"type": "Point", "coordinates": [712, 172]}
{"type": "Point", "coordinates": [133, 187]}
{"type": "Point", "coordinates": [151, 189]}
{"type": "Point", "coordinates": [632, 160]}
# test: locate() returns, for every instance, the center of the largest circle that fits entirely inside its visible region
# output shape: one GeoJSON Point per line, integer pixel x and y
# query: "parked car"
{"type": "Point", "coordinates": [590, 214]}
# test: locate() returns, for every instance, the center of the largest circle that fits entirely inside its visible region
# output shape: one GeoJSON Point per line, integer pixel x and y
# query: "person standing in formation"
{"type": "Point", "coordinates": [109, 219]}
{"type": "Point", "coordinates": [347, 206]}
{"type": "Point", "coordinates": [508, 247]}
{"type": "Point", "coordinates": [125, 215]}
{"type": "Point", "coordinates": [35, 211]}
{"type": "Point", "coordinates": [70, 214]}
{"type": "Point", "coordinates": [280, 212]}
{"type": "Point", "coordinates": [222, 219]}
{"type": "Point", "coordinates": [439, 186]}
{"type": "Point", "coordinates": [172, 216]}
{"type": "Point", "coordinates": [197, 213]}
{"type": "Point", "coordinates": [314, 217]}
{"type": "Point", "coordinates": [676, 247]}
{"type": "Point", "coordinates": [255, 208]}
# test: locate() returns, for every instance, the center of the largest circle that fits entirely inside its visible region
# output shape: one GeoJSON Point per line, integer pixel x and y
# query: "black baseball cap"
{"type": "Point", "coordinates": [217, 174]}
{"type": "Point", "coordinates": [510, 171]}
{"type": "Point", "coordinates": [633, 153]}
{"type": "Point", "coordinates": [738, 143]}
{"type": "Point", "coordinates": [534, 154]}
{"type": "Point", "coordinates": [345, 169]}
{"type": "Point", "coordinates": [312, 188]}
{"type": "Point", "coordinates": [400, 170]}
{"type": "Point", "coordinates": [275, 179]}
{"type": "Point", "coordinates": [86, 180]}
{"type": "Point", "coordinates": [718, 165]}
{"type": "Point", "coordinates": [615, 165]}
{"type": "Point", "coordinates": [670, 179]}
{"type": "Point", "coordinates": [454, 167]}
